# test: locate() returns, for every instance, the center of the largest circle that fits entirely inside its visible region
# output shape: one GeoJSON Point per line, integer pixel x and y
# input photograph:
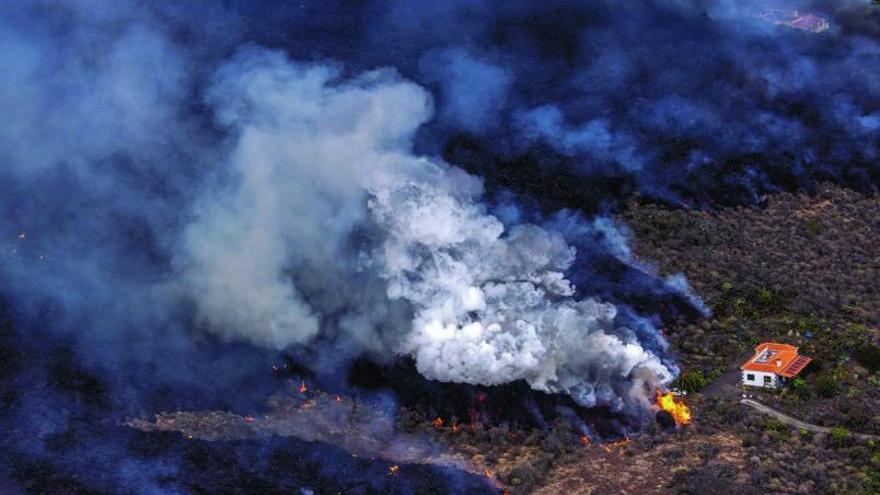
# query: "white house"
{"type": "Point", "coordinates": [772, 365]}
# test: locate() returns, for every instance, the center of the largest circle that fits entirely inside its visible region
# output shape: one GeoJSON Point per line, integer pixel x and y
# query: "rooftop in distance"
{"type": "Point", "coordinates": [814, 23]}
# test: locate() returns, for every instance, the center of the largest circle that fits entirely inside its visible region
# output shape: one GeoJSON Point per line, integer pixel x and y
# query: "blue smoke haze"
{"type": "Point", "coordinates": [112, 138]}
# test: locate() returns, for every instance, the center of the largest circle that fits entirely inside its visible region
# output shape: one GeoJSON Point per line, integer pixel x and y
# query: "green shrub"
{"type": "Point", "coordinates": [714, 374]}
{"type": "Point", "coordinates": [764, 296]}
{"type": "Point", "coordinates": [813, 227]}
{"type": "Point", "coordinates": [773, 424]}
{"type": "Point", "coordinates": [798, 387]}
{"type": "Point", "coordinates": [839, 372]}
{"type": "Point", "coordinates": [776, 429]}
{"type": "Point", "coordinates": [827, 385]}
{"type": "Point", "coordinates": [840, 436]}
{"type": "Point", "coordinates": [858, 334]}
{"type": "Point", "coordinates": [868, 356]}
{"type": "Point", "coordinates": [870, 481]}
{"type": "Point", "coordinates": [805, 322]}
{"type": "Point", "coordinates": [691, 381]}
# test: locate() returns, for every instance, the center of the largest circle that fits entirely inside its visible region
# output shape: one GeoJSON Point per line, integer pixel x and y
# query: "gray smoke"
{"type": "Point", "coordinates": [330, 228]}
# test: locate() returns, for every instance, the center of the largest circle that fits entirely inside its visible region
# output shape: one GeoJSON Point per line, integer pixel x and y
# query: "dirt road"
{"type": "Point", "coordinates": [785, 418]}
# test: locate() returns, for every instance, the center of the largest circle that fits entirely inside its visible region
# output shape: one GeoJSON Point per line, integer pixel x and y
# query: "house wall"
{"type": "Point", "coordinates": [758, 379]}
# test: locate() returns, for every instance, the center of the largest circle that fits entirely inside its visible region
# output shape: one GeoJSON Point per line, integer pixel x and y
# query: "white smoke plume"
{"type": "Point", "coordinates": [330, 226]}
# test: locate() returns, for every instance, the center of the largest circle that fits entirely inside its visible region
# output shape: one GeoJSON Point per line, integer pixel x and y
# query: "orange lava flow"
{"type": "Point", "coordinates": [679, 411]}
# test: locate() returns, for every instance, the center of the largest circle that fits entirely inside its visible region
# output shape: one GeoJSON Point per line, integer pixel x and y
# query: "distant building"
{"type": "Point", "coordinates": [772, 365]}
{"type": "Point", "coordinates": [794, 19]}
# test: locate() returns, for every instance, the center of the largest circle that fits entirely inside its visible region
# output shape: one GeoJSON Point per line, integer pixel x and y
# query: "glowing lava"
{"type": "Point", "coordinates": [679, 411]}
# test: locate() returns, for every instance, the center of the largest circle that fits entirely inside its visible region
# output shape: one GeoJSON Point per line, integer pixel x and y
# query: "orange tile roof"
{"type": "Point", "coordinates": [790, 363]}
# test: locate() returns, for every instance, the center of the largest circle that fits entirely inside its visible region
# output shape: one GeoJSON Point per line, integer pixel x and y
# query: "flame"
{"type": "Point", "coordinates": [438, 422]}
{"type": "Point", "coordinates": [608, 447]}
{"type": "Point", "coordinates": [679, 411]}
{"type": "Point", "coordinates": [585, 440]}
{"type": "Point", "coordinates": [393, 470]}
{"type": "Point", "coordinates": [302, 388]}
{"type": "Point", "coordinates": [338, 399]}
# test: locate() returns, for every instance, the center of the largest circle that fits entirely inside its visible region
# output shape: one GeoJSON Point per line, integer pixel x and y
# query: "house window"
{"type": "Point", "coordinates": [750, 377]}
{"type": "Point", "coordinates": [768, 379]}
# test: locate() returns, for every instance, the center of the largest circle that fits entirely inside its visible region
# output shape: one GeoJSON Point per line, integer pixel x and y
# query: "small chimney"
{"type": "Point", "coordinates": [778, 363]}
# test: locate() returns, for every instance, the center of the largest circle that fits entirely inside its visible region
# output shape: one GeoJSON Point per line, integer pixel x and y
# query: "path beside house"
{"type": "Point", "coordinates": [728, 383]}
{"type": "Point", "coordinates": [785, 418]}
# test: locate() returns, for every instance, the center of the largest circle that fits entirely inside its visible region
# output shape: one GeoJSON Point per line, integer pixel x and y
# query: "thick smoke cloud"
{"type": "Point", "coordinates": [329, 201]}
{"type": "Point", "coordinates": [695, 102]}
{"type": "Point", "coordinates": [474, 90]}
{"type": "Point", "coordinates": [300, 216]}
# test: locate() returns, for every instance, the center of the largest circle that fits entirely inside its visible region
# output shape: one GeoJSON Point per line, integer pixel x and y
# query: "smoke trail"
{"type": "Point", "coordinates": [701, 102]}
{"type": "Point", "coordinates": [329, 203]}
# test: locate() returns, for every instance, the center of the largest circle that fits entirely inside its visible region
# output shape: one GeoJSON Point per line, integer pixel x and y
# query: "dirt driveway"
{"type": "Point", "coordinates": [728, 383]}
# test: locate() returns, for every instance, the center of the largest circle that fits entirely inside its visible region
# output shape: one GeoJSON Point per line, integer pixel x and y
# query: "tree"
{"type": "Point", "coordinates": [868, 355]}
{"type": "Point", "coordinates": [691, 381]}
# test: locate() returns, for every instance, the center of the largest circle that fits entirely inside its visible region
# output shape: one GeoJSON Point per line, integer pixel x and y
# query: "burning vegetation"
{"type": "Point", "coordinates": [515, 458]}
{"type": "Point", "coordinates": [555, 459]}
{"type": "Point", "coordinates": [680, 412]}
